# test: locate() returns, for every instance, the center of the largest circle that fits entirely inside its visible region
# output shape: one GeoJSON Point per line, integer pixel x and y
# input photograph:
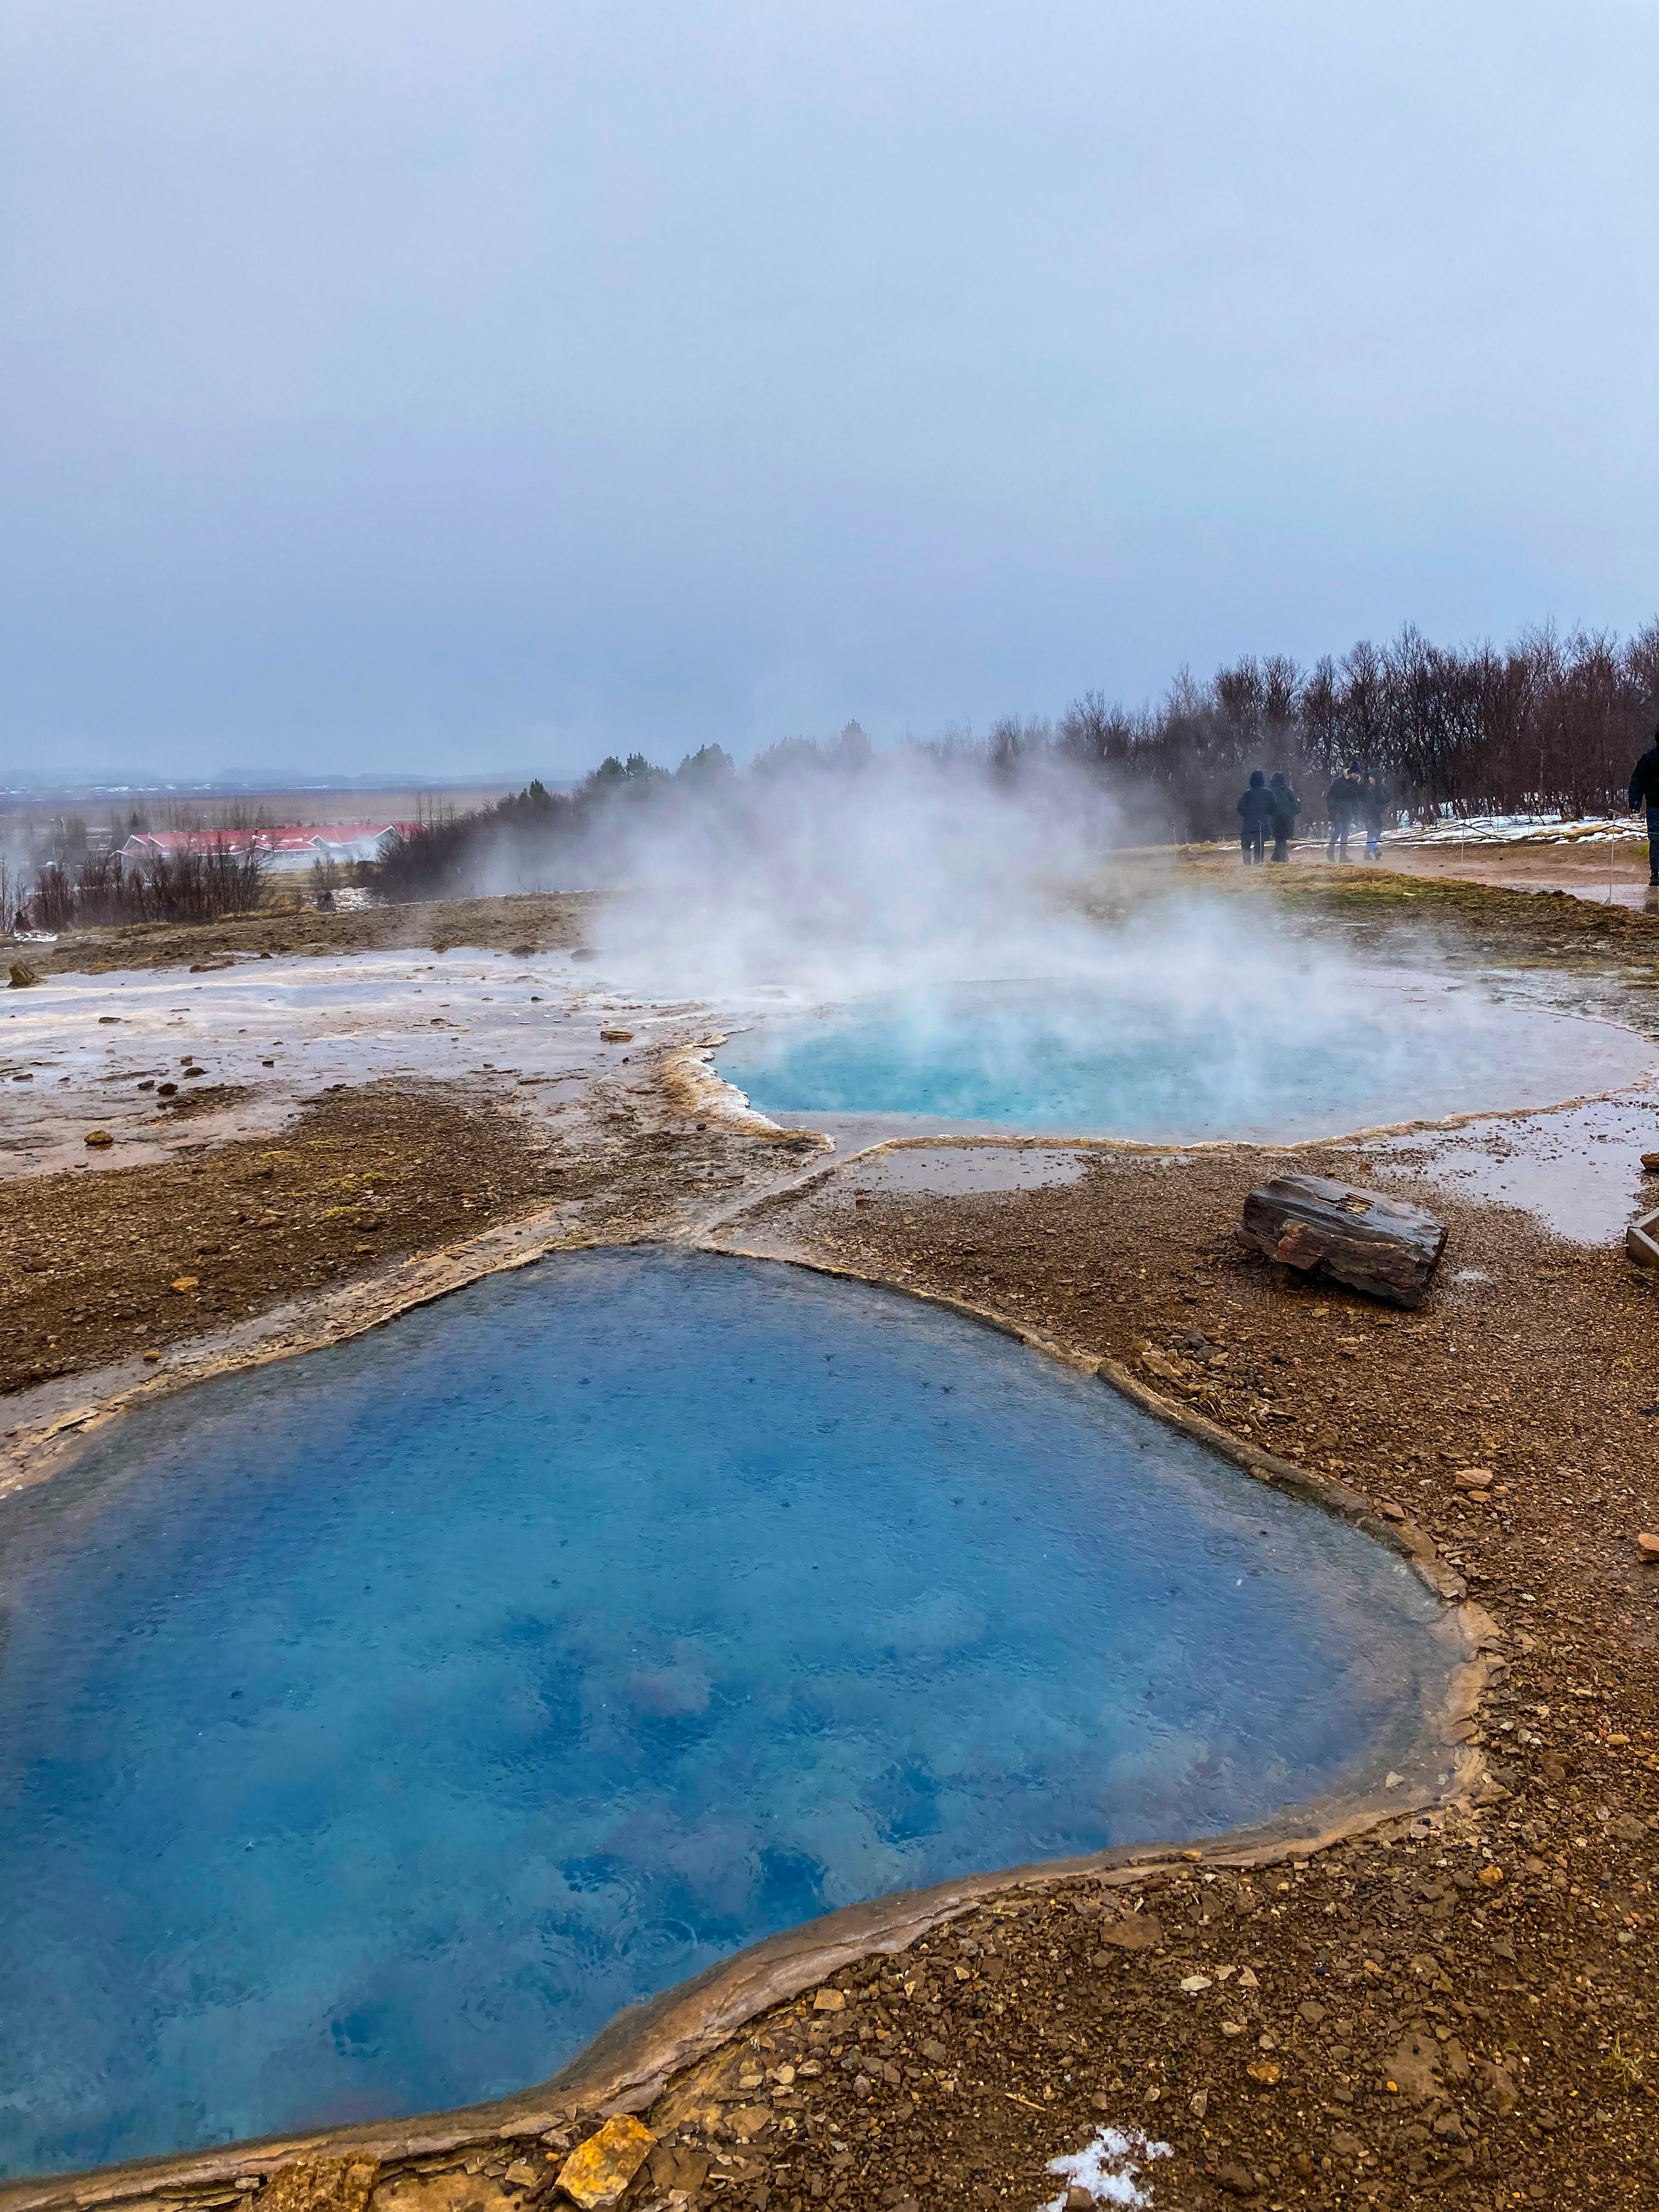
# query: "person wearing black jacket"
{"type": "Point", "coordinates": [1341, 805]}
{"type": "Point", "coordinates": [1286, 807]}
{"type": "Point", "coordinates": [1373, 804]}
{"type": "Point", "coordinates": [1644, 792]}
{"type": "Point", "coordinates": [1255, 812]}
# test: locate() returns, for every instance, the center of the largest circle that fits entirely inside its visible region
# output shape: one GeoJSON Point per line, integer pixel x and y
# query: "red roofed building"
{"type": "Point", "coordinates": [291, 851]}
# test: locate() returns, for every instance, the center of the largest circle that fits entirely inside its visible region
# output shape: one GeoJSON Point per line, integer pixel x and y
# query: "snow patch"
{"type": "Point", "coordinates": [1519, 830]}
{"type": "Point", "coordinates": [1108, 2168]}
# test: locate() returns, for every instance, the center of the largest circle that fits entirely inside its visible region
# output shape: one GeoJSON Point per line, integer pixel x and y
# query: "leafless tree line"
{"type": "Point", "coordinates": [103, 891]}
{"type": "Point", "coordinates": [1548, 725]}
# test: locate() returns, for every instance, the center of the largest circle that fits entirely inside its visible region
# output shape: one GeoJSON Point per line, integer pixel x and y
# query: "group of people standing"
{"type": "Point", "coordinates": [1272, 805]}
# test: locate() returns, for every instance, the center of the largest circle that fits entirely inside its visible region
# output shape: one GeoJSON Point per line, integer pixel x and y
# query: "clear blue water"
{"type": "Point", "coordinates": [1130, 1055]}
{"type": "Point", "coordinates": [377, 1725]}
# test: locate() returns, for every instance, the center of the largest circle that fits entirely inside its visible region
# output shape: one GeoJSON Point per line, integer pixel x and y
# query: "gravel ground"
{"type": "Point", "coordinates": [94, 1268]}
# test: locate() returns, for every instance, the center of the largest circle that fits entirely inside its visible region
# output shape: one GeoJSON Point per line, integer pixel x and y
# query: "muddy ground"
{"type": "Point", "coordinates": [1461, 2014]}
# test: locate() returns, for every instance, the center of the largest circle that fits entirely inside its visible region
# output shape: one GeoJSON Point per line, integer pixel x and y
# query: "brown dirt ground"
{"type": "Point", "coordinates": [363, 1179]}
{"type": "Point", "coordinates": [531, 922]}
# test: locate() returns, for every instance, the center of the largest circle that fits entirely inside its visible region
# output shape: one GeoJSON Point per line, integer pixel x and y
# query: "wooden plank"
{"type": "Point", "coordinates": [1379, 1245]}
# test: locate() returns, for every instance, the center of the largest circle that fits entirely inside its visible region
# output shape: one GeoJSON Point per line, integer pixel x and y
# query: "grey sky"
{"type": "Point", "coordinates": [498, 383]}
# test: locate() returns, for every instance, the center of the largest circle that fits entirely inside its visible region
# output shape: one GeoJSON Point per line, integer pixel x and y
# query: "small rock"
{"type": "Point", "coordinates": [1651, 1161]}
{"type": "Point", "coordinates": [935, 2051]}
{"type": "Point", "coordinates": [1194, 1985]}
{"type": "Point", "coordinates": [182, 1283]}
{"type": "Point", "coordinates": [596, 2175]}
{"type": "Point", "coordinates": [1497, 2087]}
{"type": "Point", "coordinates": [616, 1036]}
{"type": "Point", "coordinates": [1199, 2103]}
{"type": "Point", "coordinates": [521, 2173]}
{"type": "Point", "coordinates": [1411, 2069]}
{"type": "Point", "coordinates": [862, 2086]}
{"type": "Point", "coordinates": [1390, 1510]}
{"type": "Point", "coordinates": [1472, 1478]}
{"type": "Point", "coordinates": [1141, 1931]}
{"type": "Point", "coordinates": [1266, 2071]}
{"type": "Point", "coordinates": [1490, 1876]}
{"type": "Point", "coordinates": [1237, 2181]}
{"type": "Point", "coordinates": [1079, 2199]}
{"type": "Point", "coordinates": [1312, 2012]}
{"type": "Point", "coordinates": [1345, 2144]}
{"type": "Point", "coordinates": [1232, 2028]}
{"type": "Point", "coordinates": [1648, 1545]}
{"type": "Point", "coordinates": [21, 976]}
{"type": "Point", "coordinates": [829, 2000]}
{"type": "Point", "coordinates": [98, 1137]}
{"type": "Point", "coordinates": [166, 1090]}
{"type": "Point", "coordinates": [1628, 1828]}
{"type": "Point", "coordinates": [747, 2122]}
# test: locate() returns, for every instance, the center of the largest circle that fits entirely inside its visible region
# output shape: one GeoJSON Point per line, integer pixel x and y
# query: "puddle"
{"type": "Point", "coordinates": [1579, 1171]}
{"type": "Point", "coordinates": [374, 1727]}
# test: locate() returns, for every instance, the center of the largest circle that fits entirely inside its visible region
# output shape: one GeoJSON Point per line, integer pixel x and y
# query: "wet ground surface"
{"type": "Point", "coordinates": [1434, 2036]}
{"type": "Point", "coordinates": [161, 1063]}
{"type": "Point", "coordinates": [1579, 1172]}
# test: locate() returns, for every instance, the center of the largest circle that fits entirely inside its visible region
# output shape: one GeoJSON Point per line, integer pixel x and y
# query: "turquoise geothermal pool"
{"type": "Point", "coordinates": [1125, 1056]}
{"type": "Point", "coordinates": [373, 1726]}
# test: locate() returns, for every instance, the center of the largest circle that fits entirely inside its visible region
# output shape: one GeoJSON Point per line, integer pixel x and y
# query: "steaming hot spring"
{"type": "Point", "coordinates": [1153, 1052]}
{"type": "Point", "coordinates": [569, 1635]}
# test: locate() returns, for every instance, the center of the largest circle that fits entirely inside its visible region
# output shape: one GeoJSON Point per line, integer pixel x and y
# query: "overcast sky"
{"type": "Point", "coordinates": [488, 385]}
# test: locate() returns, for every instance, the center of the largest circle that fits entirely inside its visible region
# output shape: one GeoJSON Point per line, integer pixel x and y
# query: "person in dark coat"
{"type": "Point", "coordinates": [1255, 812]}
{"type": "Point", "coordinates": [1373, 805]}
{"type": "Point", "coordinates": [1341, 805]}
{"type": "Point", "coordinates": [1286, 807]}
{"type": "Point", "coordinates": [1644, 792]}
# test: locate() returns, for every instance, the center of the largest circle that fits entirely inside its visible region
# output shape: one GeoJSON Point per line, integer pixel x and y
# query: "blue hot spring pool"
{"type": "Point", "coordinates": [1129, 1055]}
{"type": "Point", "coordinates": [375, 1725]}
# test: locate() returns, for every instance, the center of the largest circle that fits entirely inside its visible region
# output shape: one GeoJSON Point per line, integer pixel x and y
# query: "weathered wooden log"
{"type": "Point", "coordinates": [1378, 1245]}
